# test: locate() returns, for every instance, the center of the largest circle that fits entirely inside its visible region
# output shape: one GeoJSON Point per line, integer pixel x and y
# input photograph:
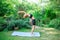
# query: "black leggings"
{"type": "Point", "coordinates": [33, 22]}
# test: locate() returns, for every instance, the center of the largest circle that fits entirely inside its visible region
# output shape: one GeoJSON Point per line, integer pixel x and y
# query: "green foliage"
{"type": "Point", "coordinates": [55, 23]}
{"type": "Point", "coordinates": [43, 15]}
{"type": "Point", "coordinates": [18, 23]}
{"type": "Point", "coordinates": [7, 7]}
{"type": "Point", "coordinates": [11, 25]}
{"type": "Point", "coordinates": [54, 8]}
{"type": "Point", "coordinates": [3, 24]}
{"type": "Point", "coordinates": [49, 13]}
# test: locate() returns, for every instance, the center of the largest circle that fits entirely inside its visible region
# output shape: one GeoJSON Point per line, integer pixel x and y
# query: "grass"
{"type": "Point", "coordinates": [46, 34]}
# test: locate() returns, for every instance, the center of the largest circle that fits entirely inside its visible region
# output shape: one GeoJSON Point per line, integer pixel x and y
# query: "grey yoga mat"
{"type": "Point", "coordinates": [27, 34]}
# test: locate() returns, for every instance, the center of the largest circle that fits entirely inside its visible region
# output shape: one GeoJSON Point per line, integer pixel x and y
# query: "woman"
{"type": "Point", "coordinates": [32, 19]}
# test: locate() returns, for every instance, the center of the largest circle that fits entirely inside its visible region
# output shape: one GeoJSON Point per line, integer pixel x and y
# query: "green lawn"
{"type": "Point", "coordinates": [46, 34]}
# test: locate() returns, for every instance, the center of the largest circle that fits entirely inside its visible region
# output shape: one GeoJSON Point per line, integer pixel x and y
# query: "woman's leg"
{"type": "Point", "coordinates": [33, 27]}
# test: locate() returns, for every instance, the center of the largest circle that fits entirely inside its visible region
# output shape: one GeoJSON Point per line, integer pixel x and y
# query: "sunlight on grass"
{"type": "Point", "coordinates": [49, 29]}
{"type": "Point", "coordinates": [51, 32]}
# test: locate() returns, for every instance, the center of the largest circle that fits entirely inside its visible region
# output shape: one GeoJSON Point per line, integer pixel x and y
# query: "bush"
{"type": "Point", "coordinates": [22, 23]}
{"type": "Point", "coordinates": [55, 23]}
{"type": "Point", "coordinates": [18, 23]}
{"type": "Point", "coordinates": [11, 25]}
{"type": "Point", "coordinates": [3, 24]}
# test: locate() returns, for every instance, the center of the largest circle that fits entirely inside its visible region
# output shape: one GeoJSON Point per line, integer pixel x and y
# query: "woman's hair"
{"type": "Point", "coordinates": [21, 13]}
{"type": "Point", "coordinates": [25, 16]}
{"type": "Point", "coordinates": [31, 15]}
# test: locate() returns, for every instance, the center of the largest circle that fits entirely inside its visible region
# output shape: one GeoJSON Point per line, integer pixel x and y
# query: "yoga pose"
{"type": "Point", "coordinates": [32, 19]}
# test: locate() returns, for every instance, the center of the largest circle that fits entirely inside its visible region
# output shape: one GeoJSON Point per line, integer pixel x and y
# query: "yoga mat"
{"type": "Point", "coordinates": [27, 34]}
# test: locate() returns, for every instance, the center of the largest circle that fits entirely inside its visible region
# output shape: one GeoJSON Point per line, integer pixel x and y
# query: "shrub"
{"type": "Point", "coordinates": [22, 23]}
{"type": "Point", "coordinates": [55, 23]}
{"type": "Point", "coordinates": [18, 23]}
{"type": "Point", "coordinates": [11, 25]}
{"type": "Point", "coordinates": [3, 24]}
